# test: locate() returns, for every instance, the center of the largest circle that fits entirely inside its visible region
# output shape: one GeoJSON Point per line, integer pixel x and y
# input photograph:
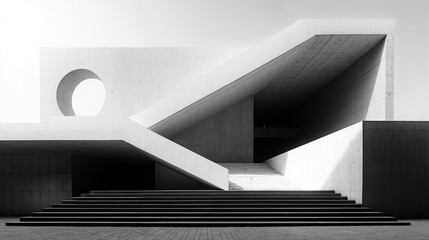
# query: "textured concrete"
{"type": "Point", "coordinates": [382, 164]}
{"type": "Point", "coordinates": [158, 148]}
{"type": "Point", "coordinates": [225, 137]}
{"type": "Point", "coordinates": [396, 167]}
{"type": "Point", "coordinates": [417, 230]}
{"type": "Point", "coordinates": [134, 78]}
{"type": "Point", "coordinates": [360, 93]}
{"type": "Point", "coordinates": [30, 182]}
{"type": "Point", "coordinates": [333, 162]}
{"type": "Point", "coordinates": [324, 60]}
{"type": "Point", "coordinates": [39, 174]}
{"type": "Point", "coordinates": [232, 82]}
{"type": "Point", "coordinates": [67, 86]}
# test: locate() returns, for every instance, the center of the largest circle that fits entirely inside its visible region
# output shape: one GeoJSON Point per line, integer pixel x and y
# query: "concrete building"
{"type": "Point", "coordinates": [307, 111]}
{"type": "Point", "coordinates": [163, 127]}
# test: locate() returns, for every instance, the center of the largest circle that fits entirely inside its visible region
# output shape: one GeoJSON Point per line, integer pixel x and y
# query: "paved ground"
{"type": "Point", "coordinates": [418, 230]}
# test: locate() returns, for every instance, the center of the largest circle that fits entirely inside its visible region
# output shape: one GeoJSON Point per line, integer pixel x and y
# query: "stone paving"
{"type": "Point", "coordinates": [418, 230]}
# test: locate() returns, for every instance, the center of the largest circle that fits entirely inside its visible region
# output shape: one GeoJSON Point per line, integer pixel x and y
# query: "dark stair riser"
{"type": "Point", "coordinates": [214, 191]}
{"type": "Point", "coordinates": [208, 201]}
{"type": "Point", "coordinates": [213, 198]}
{"type": "Point", "coordinates": [207, 224]}
{"type": "Point", "coordinates": [256, 214]}
{"type": "Point", "coordinates": [191, 209]}
{"type": "Point", "coordinates": [218, 205]}
{"type": "Point", "coordinates": [226, 194]}
{"type": "Point", "coordinates": [213, 218]}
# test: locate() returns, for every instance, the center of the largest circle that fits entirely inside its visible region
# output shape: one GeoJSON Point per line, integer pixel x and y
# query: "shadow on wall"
{"type": "Point", "coordinates": [111, 172]}
{"type": "Point", "coordinates": [169, 179]}
{"type": "Point", "coordinates": [333, 162]}
{"type": "Point", "coordinates": [356, 95]}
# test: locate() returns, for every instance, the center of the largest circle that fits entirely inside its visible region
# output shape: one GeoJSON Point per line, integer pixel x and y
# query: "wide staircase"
{"type": "Point", "coordinates": [256, 176]}
{"type": "Point", "coordinates": [207, 208]}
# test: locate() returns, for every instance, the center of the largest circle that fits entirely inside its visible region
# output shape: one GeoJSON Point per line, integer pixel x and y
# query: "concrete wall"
{"type": "Point", "coordinates": [134, 78]}
{"type": "Point", "coordinates": [29, 182]}
{"type": "Point", "coordinates": [333, 162]}
{"type": "Point", "coordinates": [224, 137]}
{"type": "Point", "coordinates": [382, 164]}
{"type": "Point", "coordinates": [396, 168]}
{"type": "Point", "coordinates": [362, 92]}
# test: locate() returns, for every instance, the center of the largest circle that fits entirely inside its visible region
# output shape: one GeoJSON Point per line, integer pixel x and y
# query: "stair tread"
{"type": "Point", "coordinates": [208, 200]}
{"type": "Point", "coordinates": [205, 218]}
{"type": "Point", "coordinates": [208, 223]}
{"type": "Point", "coordinates": [213, 208]}
{"type": "Point", "coordinates": [218, 209]}
{"type": "Point", "coordinates": [209, 213]}
{"type": "Point", "coordinates": [163, 192]}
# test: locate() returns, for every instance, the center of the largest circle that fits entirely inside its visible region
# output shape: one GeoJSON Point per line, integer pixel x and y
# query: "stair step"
{"type": "Point", "coordinates": [210, 198]}
{"type": "Point", "coordinates": [210, 209]}
{"type": "Point", "coordinates": [202, 213]}
{"type": "Point", "coordinates": [211, 201]}
{"type": "Point", "coordinates": [204, 218]}
{"type": "Point", "coordinates": [229, 195]}
{"type": "Point", "coordinates": [216, 191]}
{"type": "Point", "coordinates": [237, 205]}
{"type": "Point", "coordinates": [207, 208]}
{"type": "Point", "coordinates": [211, 223]}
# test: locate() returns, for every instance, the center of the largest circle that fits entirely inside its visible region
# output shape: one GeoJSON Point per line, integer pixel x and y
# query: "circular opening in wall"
{"type": "Point", "coordinates": [81, 93]}
{"type": "Point", "coordinates": [88, 97]}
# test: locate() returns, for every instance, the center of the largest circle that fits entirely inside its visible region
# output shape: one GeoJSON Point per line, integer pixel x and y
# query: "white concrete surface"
{"type": "Point", "coordinates": [227, 84]}
{"type": "Point", "coordinates": [333, 162]}
{"type": "Point", "coordinates": [159, 148]}
{"type": "Point", "coordinates": [134, 78]}
{"type": "Point", "coordinates": [256, 176]}
{"type": "Point", "coordinates": [136, 23]}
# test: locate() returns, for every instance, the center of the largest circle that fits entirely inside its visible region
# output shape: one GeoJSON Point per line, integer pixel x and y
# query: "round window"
{"type": "Point", "coordinates": [81, 93]}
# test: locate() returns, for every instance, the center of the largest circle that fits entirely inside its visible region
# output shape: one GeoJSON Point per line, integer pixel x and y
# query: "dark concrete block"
{"type": "Point", "coordinates": [7, 203]}
{"type": "Point", "coordinates": [396, 175]}
{"type": "Point", "coordinates": [35, 165]}
{"type": "Point", "coordinates": [44, 164]}
{"type": "Point", "coordinates": [7, 183]}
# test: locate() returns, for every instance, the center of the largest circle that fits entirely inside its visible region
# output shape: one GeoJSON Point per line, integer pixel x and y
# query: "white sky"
{"type": "Point", "coordinates": [27, 25]}
{"type": "Point", "coordinates": [88, 97]}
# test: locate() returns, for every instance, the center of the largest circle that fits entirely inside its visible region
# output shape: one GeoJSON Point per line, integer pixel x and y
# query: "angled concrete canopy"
{"type": "Point", "coordinates": [296, 49]}
{"type": "Point", "coordinates": [326, 58]}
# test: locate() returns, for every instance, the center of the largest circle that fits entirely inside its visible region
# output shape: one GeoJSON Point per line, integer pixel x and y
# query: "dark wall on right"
{"type": "Point", "coordinates": [396, 167]}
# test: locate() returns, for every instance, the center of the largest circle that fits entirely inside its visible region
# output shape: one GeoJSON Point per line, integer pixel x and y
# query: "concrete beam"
{"type": "Point", "coordinates": [149, 143]}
